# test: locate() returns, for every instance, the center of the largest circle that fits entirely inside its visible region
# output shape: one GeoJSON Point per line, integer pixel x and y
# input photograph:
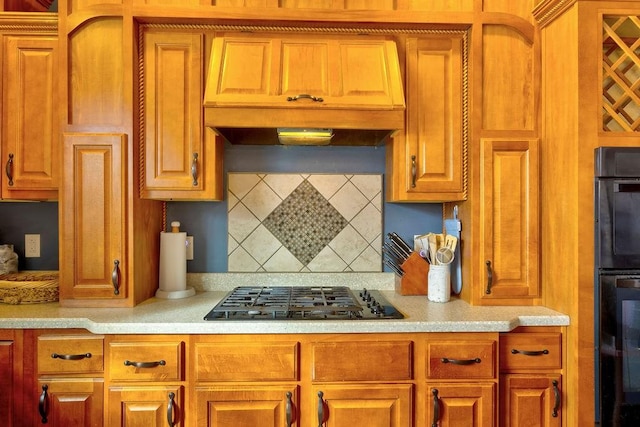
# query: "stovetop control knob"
{"type": "Point", "coordinates": [364, 294]}
{"type": "Point", "coordinates": [377, 309]}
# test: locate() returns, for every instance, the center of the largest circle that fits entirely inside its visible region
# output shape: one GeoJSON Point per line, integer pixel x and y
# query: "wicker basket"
{"type": "Point", "coordinates": [29, 287]}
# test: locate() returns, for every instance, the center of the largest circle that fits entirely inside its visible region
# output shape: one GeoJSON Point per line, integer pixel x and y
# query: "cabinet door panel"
{"type": "Point", "coordinates": [461, 405]}
{"type": "Point", "coordinates": [372, 405]}
{"type": "Point", "coordinates": [255, 406]}
{"type": "Point", "coordinates": [93, 226]}
{"type": "Point", "coordinates": [72, 402]}
{"type": "Point", "coordinates": [6, 380]}
{"type": "Point", "coordinates": [429, 158]}
{"type": "Point", "coordinates": [182, 160]}
{"type": "Point", "coordinates": [530, 400]}
{"type": "Point", "coordinates": [30, 121]}
{"type": "Point", "coordinates": [148, 406]}
{"type": "Point", "coordinates": [509, 220]}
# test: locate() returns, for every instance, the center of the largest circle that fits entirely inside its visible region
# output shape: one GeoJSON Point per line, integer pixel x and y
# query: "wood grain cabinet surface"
{"type": "Point", "coordinates": [106, 235]}
{"type": "Point", "coordinates": [509, 222]}
{"type": "Point", "coordinates": [531, 386]}
{"type": "Point", "coordinates": [182, 159]}
{"type": "Point", "coordinates": [30, 127]}
{"type": "Point", "coordinates": [145, 380]}
{"type": "Point", "coordinates": [427, 160]}
{"type": "Point", "coordinates": [461, 380]}
{"type": "Point", "coordinates": [70, 379]}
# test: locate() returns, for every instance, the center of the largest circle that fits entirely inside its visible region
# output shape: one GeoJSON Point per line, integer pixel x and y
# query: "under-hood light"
{"type": "Point", "coordinates": [301, 136]}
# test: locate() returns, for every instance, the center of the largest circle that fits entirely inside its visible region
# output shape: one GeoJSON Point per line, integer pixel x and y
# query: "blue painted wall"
{"type": "Point", "coordinates": [207, 221]}
{"type": "Point", "coordinates": [18, 219]}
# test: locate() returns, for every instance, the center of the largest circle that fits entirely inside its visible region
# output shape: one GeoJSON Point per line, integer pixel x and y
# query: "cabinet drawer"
{"type": "Point", "coordinates": [458, 360]}
{"type": "Point", "coordinates": [146, 361]}
{"type": "Point", "coordinates": [362, 361]}
{"type": "Point", "coordinates": [244, 361]}
{"type": "Point", "coordinates": [64, 354]}
{"type": "Point", "coordinates": [531, 351]}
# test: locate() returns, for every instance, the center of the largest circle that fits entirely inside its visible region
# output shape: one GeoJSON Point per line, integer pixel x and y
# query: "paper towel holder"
{"type": "Point", "coordinates": [173, 281]}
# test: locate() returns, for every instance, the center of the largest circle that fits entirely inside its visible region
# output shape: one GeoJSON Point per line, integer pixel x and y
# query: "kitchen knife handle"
{"type": "Point", "coordinates": [414, 171]}
{"type": "Point", "coordinates": [43, 404]}
{"type": "Point", "coordinates": [145, 364]}
{"type": "Point", "coordinates": [436, 408]}
{"type": "Point", "coordinates": [556, 394]}
{"type": "Point", "coordinates": [305, 96]}
{"type": "Point", "coordinates": [71, 356]}
{"type": "Point", "coordinates": [194, 169]}
{"type": "Point", "coordinates": [9, 169]}
{"type": "Point", "coordinates": [170, 405]}
{"type": "Point", "coordinates": [289, 410]}
{"type": "Point", "coordinates": [320, 409]}
{"type": "Point", "coordinates": [530, 352]}
{"type": "Point", "coordinates": [489, 277]}
{"type": "Point", "coordinates": [115, 277]}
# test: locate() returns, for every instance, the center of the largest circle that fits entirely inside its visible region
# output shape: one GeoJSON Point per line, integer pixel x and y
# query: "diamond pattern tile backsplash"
{"type": "Point", "coordinates": [304, 223]}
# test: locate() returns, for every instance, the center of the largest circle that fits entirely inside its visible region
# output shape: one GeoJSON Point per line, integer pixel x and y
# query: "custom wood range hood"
{"type": "Point", "coordinates": [347, 85]}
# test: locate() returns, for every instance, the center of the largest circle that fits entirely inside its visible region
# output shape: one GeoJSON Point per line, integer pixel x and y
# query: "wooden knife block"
{"type": "Point", "coordinates": [414, 279]}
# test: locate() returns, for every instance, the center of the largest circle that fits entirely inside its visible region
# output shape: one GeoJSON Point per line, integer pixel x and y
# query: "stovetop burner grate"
{"type": "Point", "coordinates": [301, 303]}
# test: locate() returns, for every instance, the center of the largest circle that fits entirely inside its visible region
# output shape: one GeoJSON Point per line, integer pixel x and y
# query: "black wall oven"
{"type": "Point", "coordinates": [617, 256]}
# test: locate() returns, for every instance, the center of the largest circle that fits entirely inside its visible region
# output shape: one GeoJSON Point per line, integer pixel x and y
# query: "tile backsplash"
{"type": "Point", "coordinates": [304, 222]}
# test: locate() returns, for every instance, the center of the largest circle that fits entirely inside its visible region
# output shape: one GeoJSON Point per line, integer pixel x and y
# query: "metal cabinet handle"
{"type": "Point", "coordinates": [529, 352]}
{"type": "Point", "coordinates": [461, 361]}
{"type": "Point", "coordinates": [194, 169]}
{"type": "Point", "coordinates": [556, 394]}
{"type": "Point", "coordinates": [43, 404]}
{"type": "Point", "coordinates": [289, 410]}
{"type": "Point", "coordinates": [9, 169]}
{"type": "Point", "coordinates": [414, 171]}
{"type": "Point", "coordinates": [170, 420]}
{"type": "Point", "coordinates": [436, 408]}
{"type": "Point", "coordinates": [489, 277]}
{"type": "Point", "coordinates": [320, 408]}
{"type": "Point", "coordinates": [70, 356]}
{"type": "Point", "coordinates": [115, 277]}
{"type": "Point", "coordinates": [305, 96]}
{"type": "Point", "coordinates": [145, 364]}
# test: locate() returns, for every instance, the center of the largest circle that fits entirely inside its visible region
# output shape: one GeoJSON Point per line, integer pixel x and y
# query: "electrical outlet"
{"type": "Point", "coordinates": [189, 248]}
{"type": "Point", "coordinates": [32, 246]}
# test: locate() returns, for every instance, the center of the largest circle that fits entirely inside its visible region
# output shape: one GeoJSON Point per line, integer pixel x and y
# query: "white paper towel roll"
{"type": "Point", "coordinates": [173, 261]}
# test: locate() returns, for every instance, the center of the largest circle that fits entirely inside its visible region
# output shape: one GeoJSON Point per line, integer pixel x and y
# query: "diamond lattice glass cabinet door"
{"type": "Point", "coordinates": [621, 73]}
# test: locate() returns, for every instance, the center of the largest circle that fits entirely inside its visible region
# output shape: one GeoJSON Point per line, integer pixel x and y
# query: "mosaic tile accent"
{"type": "Point", "coordinates": [304, 223]}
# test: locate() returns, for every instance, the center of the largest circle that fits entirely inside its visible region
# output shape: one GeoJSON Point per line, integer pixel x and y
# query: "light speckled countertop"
{"type": "Point", "coordinates": [185, 316]}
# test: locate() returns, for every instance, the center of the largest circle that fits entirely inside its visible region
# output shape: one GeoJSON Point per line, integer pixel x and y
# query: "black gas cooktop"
{"type": "Point", "coordinates": [302, 303]}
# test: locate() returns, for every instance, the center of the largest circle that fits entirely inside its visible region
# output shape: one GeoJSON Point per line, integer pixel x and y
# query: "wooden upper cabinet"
{"type": "Point", "coordinates": [299, 71]}
{"type": "Point", "coordinates": [182, 160]}
{"type": "Point", "coordinates": [93, 230]}
{"type": "Point", "coordinates": [30, 141]}
{"type": "Point", "coordinates": [427, 161]}
{"type": "Point", "coordinates": [509, 222]}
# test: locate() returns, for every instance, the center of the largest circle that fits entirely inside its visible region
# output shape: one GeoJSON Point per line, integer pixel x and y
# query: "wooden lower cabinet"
{"type": "Point", "coordinates": [461, 405]}
{"type": "Point", "coordinates": [149, 406]}
{"type": "Point", "coordinates": [531, 399]}
{"type": "Point", "coordinates": [70, 382]}
{"type": "Point", "coordinates": [531, 368]}
{"type": "Point", "coordinates": [71, 402]}
{"type": "Point", "coordinates": [247, 405]}
{"type": "Point", "coordinates": [373, 405]}
{"type": "Point", "coordinates": [294, 380]}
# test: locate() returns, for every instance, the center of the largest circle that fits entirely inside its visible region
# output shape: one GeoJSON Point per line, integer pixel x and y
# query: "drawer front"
{"type": "Point", "coordinates": [530, 351]}
{"type": "Point", "coordinates": [146, 361]}
{"type": "Point", "coordinates": [246, 361]}
{"type": "Point", "coordinates": [461, 360]}
{"type": "Point", "coordinates": [65, 354]}
{"type": "Point", "coordinates": [362, 361]}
